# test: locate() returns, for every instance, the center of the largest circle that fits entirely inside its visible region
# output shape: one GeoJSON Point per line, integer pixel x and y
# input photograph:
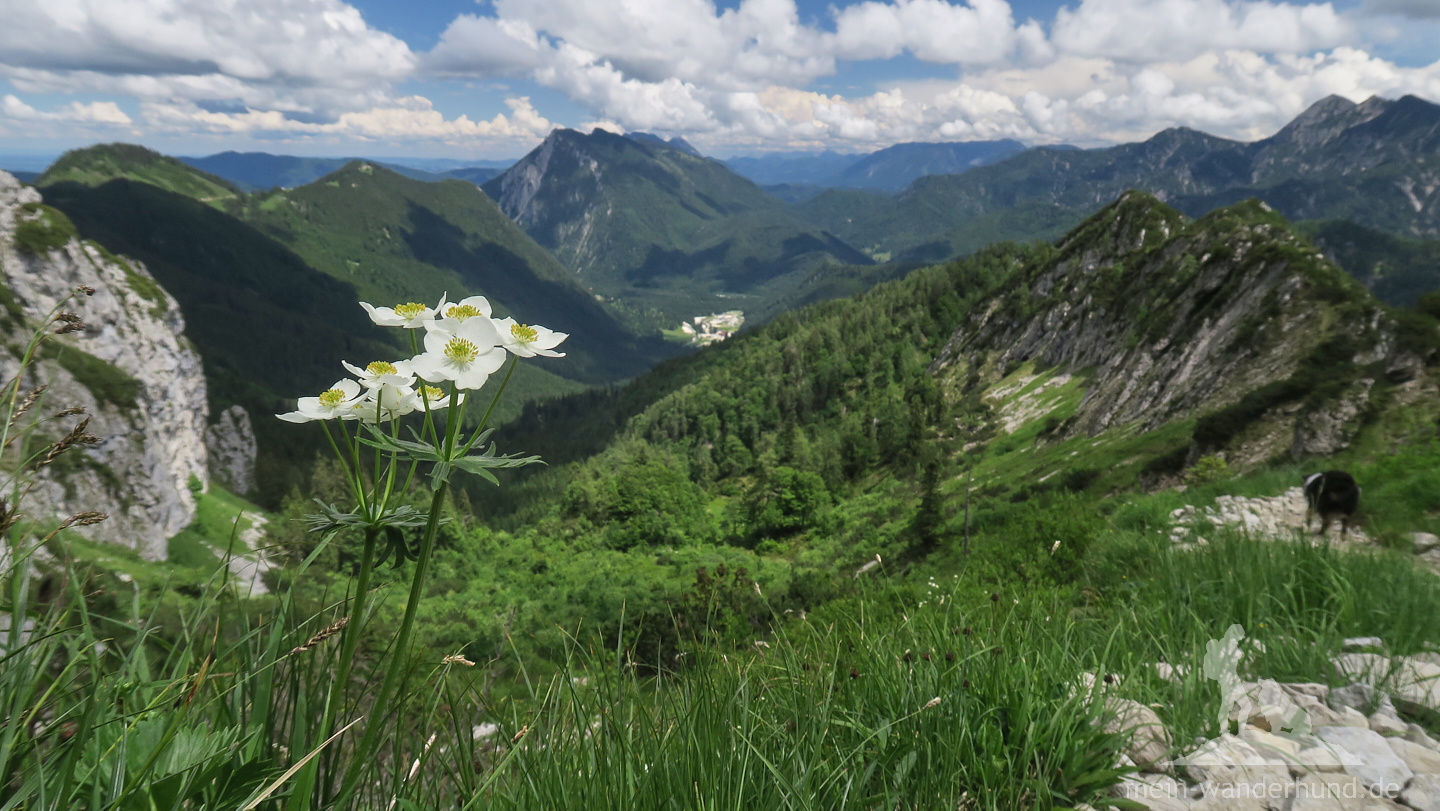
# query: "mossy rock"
{"type": "Point", "coordinates": [42, 229]}
{"type": "Point", "coordinates": [108, 383]}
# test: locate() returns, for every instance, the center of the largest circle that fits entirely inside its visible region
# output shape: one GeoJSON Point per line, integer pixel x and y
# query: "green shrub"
{"type": "Point", "coordinates": [1208, 469]}
{"type": "Point", "coordinates": [784, 501]}
{"type": "Point", "coordinates": [42, 229]}
{"type": "Point", "coordinates": [108, 383]}
{"type": "Point", "coordinates": [1429, 304]}
{"type": "Point", "coordinates": [642, 497]}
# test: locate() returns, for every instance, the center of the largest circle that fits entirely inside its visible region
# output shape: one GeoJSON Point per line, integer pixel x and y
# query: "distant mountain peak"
{"type": "Point", "coordinates": [101, 163]}
{"type": "Point", "coordinates": [1328, 118]}
{"type": "Point", "coordinates": [675, 143]}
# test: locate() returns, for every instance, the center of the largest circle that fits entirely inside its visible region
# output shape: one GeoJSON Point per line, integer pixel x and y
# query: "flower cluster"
{"type": "Point", "coordinates": [464, 345]}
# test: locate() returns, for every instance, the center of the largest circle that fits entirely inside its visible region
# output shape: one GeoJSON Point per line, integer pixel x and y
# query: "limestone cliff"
{"type": "Point", "coordinates": [1231, 319]}
{"type": "Point", "coordinates": [131, 369]}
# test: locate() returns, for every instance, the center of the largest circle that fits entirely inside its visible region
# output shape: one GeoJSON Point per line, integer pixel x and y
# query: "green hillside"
{"type": "Point", "coordinates": [662, 231]}
{"type": "Point", "coordinates": [1395, 269]}
{"type": "Point", "coordinates": [268, 326]}
{"type": "Point", "coordinates": [1338, 160]}
{"type": "Point", "coordinates": [864, 393]}
{"type": "Point", "coordinates": [397, 239]}
{"type": "Point", "coordinates": [99, 164]}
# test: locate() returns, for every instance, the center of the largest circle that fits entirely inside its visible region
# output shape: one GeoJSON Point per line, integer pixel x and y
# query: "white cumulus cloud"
{"type": "Point", "coordinates": [744, 77]}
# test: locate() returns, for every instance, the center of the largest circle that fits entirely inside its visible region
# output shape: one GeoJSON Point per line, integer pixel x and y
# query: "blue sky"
{"type": "Point", "coordinates": [454, 78]}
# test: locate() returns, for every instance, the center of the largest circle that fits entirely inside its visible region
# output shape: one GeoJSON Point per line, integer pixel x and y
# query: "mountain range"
{"type": "Point", "coordinates": [889, 169]}
{"type": "Point", "coordinates": [1376, 163]}
{"type": "Point", "coordinates": [256, 171]}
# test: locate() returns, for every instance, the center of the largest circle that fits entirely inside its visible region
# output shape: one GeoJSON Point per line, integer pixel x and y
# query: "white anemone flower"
{"type": "Point", "coordinates": [333, 402]}
{"type": "Point", "coordinates": [451, 316]}
{"type": "Point", "coordinates": [383, 373]}
{"type": "Point", "coordinates": [409, 315]}
{"type": "Point", "coordinates": [527, 341]}
{"type": "Point", "coordinates": [467, 355]}
{"type": "Point", "coordinates": [383, 402]}
{"type": "Point", "coordinates": [437, 397]}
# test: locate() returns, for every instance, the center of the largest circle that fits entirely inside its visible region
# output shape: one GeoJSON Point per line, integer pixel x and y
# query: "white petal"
{"type": "Point", "coordinates": [435, 340]}
{"type": "Point", "coordinates": [431, 367]}
{"type": "Point", "coordinates": [295, 416]}
{"type": "Point", "coordinates": [474, 377]}
{"type": "Point", "coordinates": [490, 361]}
{"type": "Point", "coordinates": [548, 339]}
{"type": "Point", "coordinates": [478, 302]}
{"type": "Point", "coordinates": [479, 331]}
{"type": "Point", "coordinates": [383, 316]}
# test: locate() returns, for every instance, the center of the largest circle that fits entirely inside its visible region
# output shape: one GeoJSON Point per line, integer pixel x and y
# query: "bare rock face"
{"type": "Point", "coordinates": [231, 445]}
{"type": "Point", "coordinates": [131, 369]}
{"type": "Point", "coordinates": [1324, 433]}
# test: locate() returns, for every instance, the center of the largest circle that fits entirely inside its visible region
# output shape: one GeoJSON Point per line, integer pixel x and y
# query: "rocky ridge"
{"type": "Point", "coordinates": [1233, 318]}
{"type": "Point", "coordinates": [131, 369]}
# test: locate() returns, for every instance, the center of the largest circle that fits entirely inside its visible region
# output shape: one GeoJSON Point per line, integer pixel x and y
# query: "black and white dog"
{"type": "Point", "coordinates": [1331, 494]}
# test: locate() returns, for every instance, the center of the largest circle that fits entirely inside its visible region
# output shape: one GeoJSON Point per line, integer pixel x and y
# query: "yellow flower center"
{"type": "Point", "coordinates": [431, 393]}
{"type": "Point", "coordinates": [381, 367]}
{"type": "Point", "coordinates": [409, 310]}
{"type": "Point", "coordinates": [460, 350]}
{"type": "Point", "coordinates": [460, 312]}
{"type": "Point", "coordinates": [523, 333]}
{"type": "Point", "coordinates": [332, 398]}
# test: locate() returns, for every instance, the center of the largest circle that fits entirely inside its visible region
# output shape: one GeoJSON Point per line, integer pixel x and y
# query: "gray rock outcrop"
{"type": "Point", "coordinates": [231, 445]}
{"type": "Point", "coordinates": [131, 369]}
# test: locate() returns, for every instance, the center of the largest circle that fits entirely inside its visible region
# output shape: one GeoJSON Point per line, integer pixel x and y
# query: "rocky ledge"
{"type": "Point", "coordinates": [1298, 746]}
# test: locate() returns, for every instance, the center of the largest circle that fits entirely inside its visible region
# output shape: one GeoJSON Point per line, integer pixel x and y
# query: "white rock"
{"type": "Point", "coordinates": [1416, 734]}
{"type": "Point", "coordinates": [1358, 643]}
{"type": "Point", "coordinates": [1378, 767]}
{"type": "Point", "coordinates": [1319, 758]}
{"type": "Point", "coordinates": [1312, 689]}
{"type": "Point", "coordinates": [1351, 717]}
{"type": "Point", "coordinates": [1362, 668]}
{"type": "Point", "coordinates": [1332, 792]}
{"type": "Point", "coordinates": [1413, 682]}
{"type": "Point", "coordinates": [1420, 759]}
{"type": "Point", "coordinates": [1388, 724]}
{"type": "Point", "coordinates": [231, 445]}
{"type": "Point", "coordinates": [141, 470]}
{"type": "Point", "coordinates": [1423, 793]}
{"type": "Point", "coordinates": [1157, 791]}
{"type": "Point", "coordinates": [1424, 542]}
{"type": "Point", "coordinates": [1149, 740]}
{"type": "Point", "coordinates": [1228, 765]}
{"type": "Point", "coordinates": [1171, 673]}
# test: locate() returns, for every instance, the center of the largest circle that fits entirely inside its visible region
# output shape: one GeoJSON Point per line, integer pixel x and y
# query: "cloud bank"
{"type": "Point", "coordinates": [744, 78]}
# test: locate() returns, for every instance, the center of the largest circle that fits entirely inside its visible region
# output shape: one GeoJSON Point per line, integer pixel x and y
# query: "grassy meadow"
{"type": "Point", "coordinates": [949, 682]}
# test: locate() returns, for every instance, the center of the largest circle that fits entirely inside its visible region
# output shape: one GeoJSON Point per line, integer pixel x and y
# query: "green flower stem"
{"type": "Point", "coordinates": [398, 664]}
{"type": "Point", "coordinates": [398, 671]}
{"type": "Point", "coordinates": [351, 639]}
{"type": "Point", "coordinates": [349, 475]}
